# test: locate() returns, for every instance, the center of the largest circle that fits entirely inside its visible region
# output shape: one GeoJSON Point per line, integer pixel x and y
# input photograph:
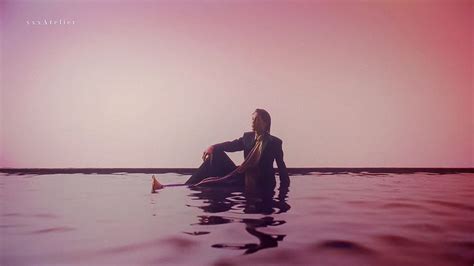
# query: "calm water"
{"type": "Point", "coordinates": [324, 219]}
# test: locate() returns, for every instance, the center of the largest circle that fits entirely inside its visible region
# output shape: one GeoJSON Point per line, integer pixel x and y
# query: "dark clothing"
{"type": "Point", "coordinates": [221, 164]}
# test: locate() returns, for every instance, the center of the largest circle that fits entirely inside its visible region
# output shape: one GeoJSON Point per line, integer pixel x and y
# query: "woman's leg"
{"type": "Point", "coordinates": [220, 165]}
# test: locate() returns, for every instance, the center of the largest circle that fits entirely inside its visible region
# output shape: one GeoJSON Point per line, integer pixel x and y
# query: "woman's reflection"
{"type": "Point", "coordinates": [249, 200]}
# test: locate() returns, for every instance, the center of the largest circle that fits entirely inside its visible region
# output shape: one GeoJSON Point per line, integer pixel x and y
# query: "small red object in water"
{"type": "Point", "coordinates": [155, 185]}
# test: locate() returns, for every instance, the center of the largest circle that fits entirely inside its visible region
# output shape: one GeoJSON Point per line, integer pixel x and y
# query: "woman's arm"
{"type": "Point", "coordinates": [284, 178]}
{"type": "Point", "coordinates": [230, 146]}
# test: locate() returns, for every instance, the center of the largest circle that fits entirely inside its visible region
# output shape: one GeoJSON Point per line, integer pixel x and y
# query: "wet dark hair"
{"type": "Point", "coordinates": [265, 117]}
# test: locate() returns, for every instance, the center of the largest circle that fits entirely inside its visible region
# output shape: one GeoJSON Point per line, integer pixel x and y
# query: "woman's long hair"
{"type": "Point", "coordinates": [266, 118]}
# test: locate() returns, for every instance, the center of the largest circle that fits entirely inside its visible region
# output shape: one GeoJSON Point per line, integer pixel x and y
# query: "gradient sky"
{"type": "Point", "coordinates": [152, 84]}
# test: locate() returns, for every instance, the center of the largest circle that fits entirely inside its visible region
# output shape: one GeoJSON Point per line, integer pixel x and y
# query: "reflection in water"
{"type": "Point", "coordinates": [251, 225]}
{"type": "Point", "coordinates": [252, 202]}
{"type": "Point", "coordinates": [395, 219]}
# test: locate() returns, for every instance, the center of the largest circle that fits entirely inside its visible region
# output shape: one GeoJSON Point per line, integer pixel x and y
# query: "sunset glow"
{"type": "Point", "coordinates": [142, 84]}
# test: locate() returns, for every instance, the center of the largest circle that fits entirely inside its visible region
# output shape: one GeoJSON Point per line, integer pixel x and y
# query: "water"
{"type": "Point", "coordinates": [325, 219]}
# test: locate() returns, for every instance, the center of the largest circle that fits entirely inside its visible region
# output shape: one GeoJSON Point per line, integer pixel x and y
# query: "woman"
{"type": "Point", "coordinates": [260, 150]}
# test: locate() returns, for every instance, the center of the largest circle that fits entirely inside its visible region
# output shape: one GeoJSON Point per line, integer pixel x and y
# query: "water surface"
{"type": "Point", "coordinates": [324, 218]}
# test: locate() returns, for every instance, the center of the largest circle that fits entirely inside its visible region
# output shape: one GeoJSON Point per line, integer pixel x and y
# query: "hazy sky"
{"type": "Point", "coordinates": [152, 84]}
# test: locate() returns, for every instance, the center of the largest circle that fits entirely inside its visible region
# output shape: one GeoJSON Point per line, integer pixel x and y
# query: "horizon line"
{"type": "Point", "coordinates": [185, 170]}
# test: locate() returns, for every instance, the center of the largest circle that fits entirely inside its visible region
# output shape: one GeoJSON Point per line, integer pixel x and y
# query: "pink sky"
{"type": "Point", "coordinates": [152, 84]}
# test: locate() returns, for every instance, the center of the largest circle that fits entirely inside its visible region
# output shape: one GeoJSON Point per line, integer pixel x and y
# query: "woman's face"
{"type": "Point", "coordinates": [258, 125]}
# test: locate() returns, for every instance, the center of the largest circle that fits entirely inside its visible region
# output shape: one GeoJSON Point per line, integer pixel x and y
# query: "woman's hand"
{"type": "Point", "coordinates": [208, 152]}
